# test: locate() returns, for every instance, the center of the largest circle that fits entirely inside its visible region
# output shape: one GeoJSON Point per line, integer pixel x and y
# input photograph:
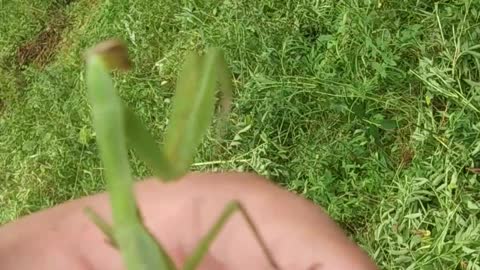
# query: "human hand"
{"type": "Point", "coordinates": [298, 233]}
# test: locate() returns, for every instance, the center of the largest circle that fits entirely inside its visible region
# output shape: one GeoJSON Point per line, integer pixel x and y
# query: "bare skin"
{"type": "Point", "coordinates": [300, 235]}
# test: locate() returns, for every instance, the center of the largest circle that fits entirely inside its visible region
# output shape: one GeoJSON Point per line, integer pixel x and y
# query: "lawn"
{"type": "Point", "coordinates": [369, 108]}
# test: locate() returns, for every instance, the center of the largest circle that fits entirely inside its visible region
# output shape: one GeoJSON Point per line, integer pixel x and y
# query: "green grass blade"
{"type": "Point", "coordinates": [193, 109]}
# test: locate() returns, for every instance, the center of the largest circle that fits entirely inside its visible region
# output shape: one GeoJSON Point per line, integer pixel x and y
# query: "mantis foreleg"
{"type": "Point", "coordinates": [202, 248]}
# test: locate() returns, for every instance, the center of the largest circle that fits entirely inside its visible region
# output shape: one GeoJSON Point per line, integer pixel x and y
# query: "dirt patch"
{"type": "Point", "coordinates": [38, 51]}
{"type": "Point", "coordinates": [41, 49]}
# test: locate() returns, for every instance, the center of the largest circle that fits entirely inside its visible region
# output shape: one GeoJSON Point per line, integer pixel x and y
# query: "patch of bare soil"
{"type": "Point", "coordinates": [41, 49]}
{"type": "Point", "coordinates": [38, 51]}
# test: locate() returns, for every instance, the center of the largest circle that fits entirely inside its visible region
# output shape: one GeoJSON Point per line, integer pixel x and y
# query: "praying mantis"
{"type": "Point", "coordinates": [116, 127]}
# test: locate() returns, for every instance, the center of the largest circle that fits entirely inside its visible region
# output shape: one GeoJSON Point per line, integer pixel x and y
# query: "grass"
{"type": "Point", "coordinates": [368, 108]}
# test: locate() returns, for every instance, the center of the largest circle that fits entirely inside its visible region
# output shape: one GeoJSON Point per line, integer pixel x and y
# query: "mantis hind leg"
{"type": "Point", "coordinates": [202, 247]}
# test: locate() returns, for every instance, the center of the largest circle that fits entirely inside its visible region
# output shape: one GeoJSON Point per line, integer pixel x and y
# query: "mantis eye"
{"type": "Point", "coordinates": [114, 53]}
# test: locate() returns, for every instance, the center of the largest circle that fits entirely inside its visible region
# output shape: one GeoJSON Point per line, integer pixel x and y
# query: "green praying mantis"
{"type": "Point", "coordinates": [116, 127]}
